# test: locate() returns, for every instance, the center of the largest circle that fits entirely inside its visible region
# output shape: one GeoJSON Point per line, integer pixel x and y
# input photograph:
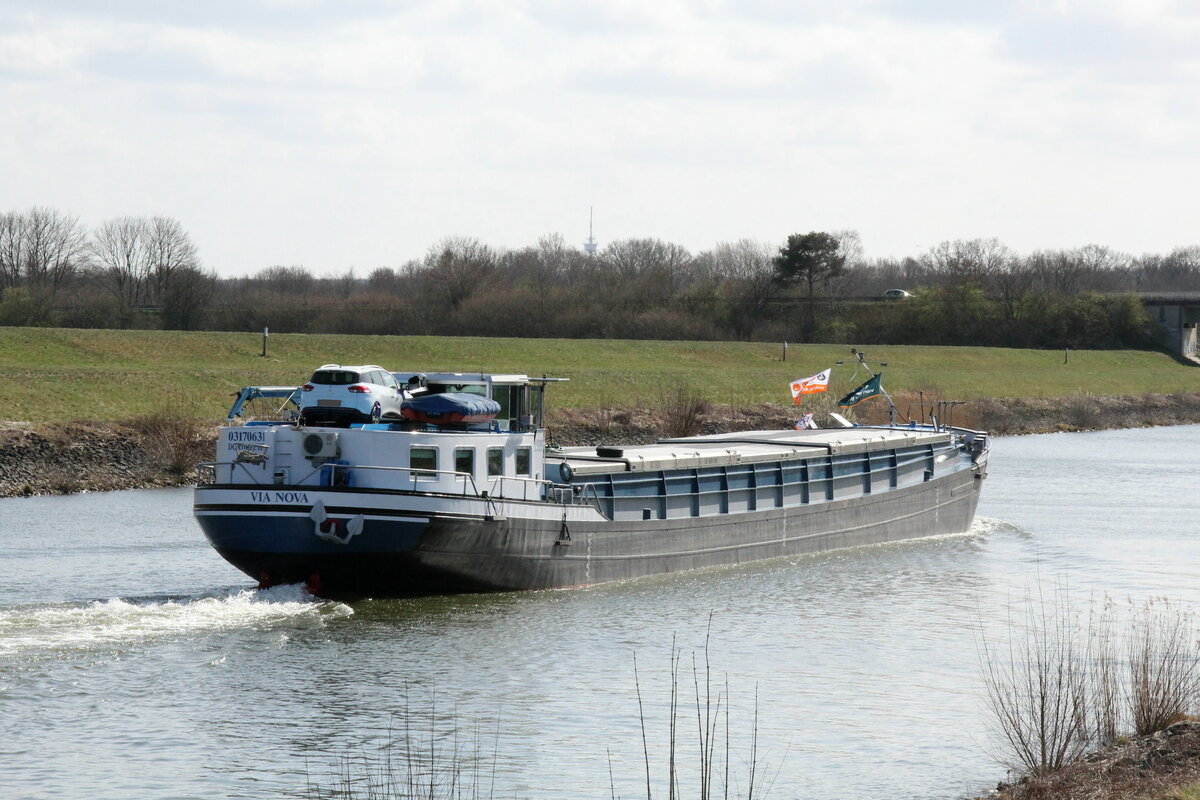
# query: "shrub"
{"type": "Point", "coordinates": [173, 439]}
{"type": "Point", "coordinates": [683, 411]}
{"type": "Point", "coordinates": [1164, 667]}
{"type": "Point", "coordinates": [1035, 690]}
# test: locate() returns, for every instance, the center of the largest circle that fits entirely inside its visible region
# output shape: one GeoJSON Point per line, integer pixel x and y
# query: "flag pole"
{"type": "Point", "coordinates": [891, 404]}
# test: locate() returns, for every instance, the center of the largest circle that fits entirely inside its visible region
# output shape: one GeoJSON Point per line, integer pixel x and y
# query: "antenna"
{"type": "Point", "coordinates": [590, 245]}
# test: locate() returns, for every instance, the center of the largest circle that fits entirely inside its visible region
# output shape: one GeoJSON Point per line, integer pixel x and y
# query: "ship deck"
{"type": "Point", "coordinates": [724, 449]}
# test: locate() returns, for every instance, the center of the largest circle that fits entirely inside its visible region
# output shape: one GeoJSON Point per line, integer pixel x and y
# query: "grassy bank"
{"type": "Point", "coordinates": [56, 375]}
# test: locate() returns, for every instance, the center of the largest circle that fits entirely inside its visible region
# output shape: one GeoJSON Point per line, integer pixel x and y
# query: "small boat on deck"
{"type": "Point", "coordinates": [450, 408]}
{"type": "Point", "coordinates": [446, 504]}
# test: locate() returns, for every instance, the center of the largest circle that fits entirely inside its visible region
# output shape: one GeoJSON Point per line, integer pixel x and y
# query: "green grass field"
{"type": "Point", "coordinates": [51, 375]}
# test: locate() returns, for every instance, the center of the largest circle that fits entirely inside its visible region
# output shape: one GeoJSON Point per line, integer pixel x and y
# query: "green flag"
{"type": "Point", "coordinates": [869, 389]}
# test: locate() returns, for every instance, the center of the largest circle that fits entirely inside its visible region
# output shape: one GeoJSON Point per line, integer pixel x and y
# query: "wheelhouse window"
{"type": "Point", "coordinates": [460, 388]}
{"type": "Point", "coordinates": [421, 459]}
{"type": "Point", "coordinates": [523, 461]}
{"type": "Point", "coordinates": [513, 400]}
{"type": "Point", "coordinates": [464, 460]}
{"type": "Point", "coordinates": [495, 461]}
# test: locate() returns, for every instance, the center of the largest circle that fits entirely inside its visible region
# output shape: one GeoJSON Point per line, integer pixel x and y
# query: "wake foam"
{"type": "Point", "coordinates": [983, 526]}
{"type": "Point", "coordinates": [120, 622]}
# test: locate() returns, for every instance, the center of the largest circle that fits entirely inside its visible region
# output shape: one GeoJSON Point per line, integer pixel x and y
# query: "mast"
{"type": "Point", "coordinates": [891, 404]}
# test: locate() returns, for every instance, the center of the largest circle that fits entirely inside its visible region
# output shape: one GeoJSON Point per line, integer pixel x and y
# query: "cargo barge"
{"type": "Point", "coordinates": [405, 508]}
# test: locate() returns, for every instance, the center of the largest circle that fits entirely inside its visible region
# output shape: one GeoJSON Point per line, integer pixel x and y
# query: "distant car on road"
{"type": "Point", "coordinates": [896, 294]}
{"type": "Point", "coordinates": [337, 395]}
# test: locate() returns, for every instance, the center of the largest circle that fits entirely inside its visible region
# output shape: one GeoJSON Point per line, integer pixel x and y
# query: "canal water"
{"type": "Point", "coordinates": [135, 663]}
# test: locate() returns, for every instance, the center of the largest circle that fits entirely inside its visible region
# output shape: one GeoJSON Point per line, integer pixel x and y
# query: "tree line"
{"type": "Point", "coordinates": [53, 271]}
{"type": "Point", "coordinates": [145, 272]}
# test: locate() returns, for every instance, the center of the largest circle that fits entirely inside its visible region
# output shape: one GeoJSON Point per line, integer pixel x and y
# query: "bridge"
{"type": "Point", "coordinates": [1177, 313]}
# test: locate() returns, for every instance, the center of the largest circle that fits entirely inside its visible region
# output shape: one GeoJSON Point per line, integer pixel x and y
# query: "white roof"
{"type": "Point", "coordinates": [464, 377]}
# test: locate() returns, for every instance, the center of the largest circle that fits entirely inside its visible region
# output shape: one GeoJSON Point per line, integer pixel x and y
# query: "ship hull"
{"type": "Point", "coordinates": [402, 548]}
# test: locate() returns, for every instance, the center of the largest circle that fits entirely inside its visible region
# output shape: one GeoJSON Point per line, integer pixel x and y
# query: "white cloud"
{"type": "Point", "coordinates": [302, 132]}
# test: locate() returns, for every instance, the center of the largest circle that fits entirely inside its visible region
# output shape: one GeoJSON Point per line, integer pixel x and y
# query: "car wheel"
{"type": "Point", "coordinates": [375, 412]}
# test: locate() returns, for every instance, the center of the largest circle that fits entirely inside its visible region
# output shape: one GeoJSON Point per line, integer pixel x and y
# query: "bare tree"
{"type": "Point", "coordinates": [385, 280]}
{"type": "Point", "coordinates": [138, 259]}
{"type": "Point", "coordinates": [1009, 284]}
{"type": "Point", "coordinates": [122, 261]}
{"type": "Point", "coordinates": [1177, 271]}
{"type": "Point", "coordinates": [458, 266]}
{"type": "Point", "coordinates": [12, 250]}
{"type": "Point", "coordinates": [1092, 267]}
{"type": "Point", "coordinates": [968, 260]}
{"type": "Point", "coordinates": [186, 297]}
{"type": "Point", "coordinates": [850, 248]}
{"type": "Point", "coordinates": [746, 275]}
{"type": "Point", "coordinates": [343, 285]}
{"type": "Point", "coordinates": [553, 256]}
{"type": "Point", "coordinates": [169, 251]}
{"type": "Point", "coordinates": [537, 270]}
{"type": "Point", "coordinates": [42, 249]}
{"type": "Point", "coordinates": [293, 280]}
{"type": "Point", "coordinates": [650, 269]}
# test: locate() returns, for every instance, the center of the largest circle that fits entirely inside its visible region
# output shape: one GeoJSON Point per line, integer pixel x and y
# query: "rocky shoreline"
{"type": "Point", "coordinates": [96, 457]}
{"type": "Point", "coordinates": [1148, 767]}
{"type": "Point", "coordinates": [161, 451]}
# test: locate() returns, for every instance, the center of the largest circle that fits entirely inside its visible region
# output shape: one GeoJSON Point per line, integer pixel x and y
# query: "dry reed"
{"type": "Point", "coordinates": [1056, 690]}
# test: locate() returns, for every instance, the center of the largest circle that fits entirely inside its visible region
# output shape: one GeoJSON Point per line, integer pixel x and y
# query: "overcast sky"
{"type": "Point", "coordinates": [358, 134]}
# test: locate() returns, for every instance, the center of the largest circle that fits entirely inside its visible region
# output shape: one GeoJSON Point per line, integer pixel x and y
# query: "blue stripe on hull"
{"type": "Point", "coordinates": [284, 548]}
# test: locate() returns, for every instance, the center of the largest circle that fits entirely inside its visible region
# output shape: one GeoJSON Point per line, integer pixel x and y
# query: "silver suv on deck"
{"type": "Point", "coordinates": [337, 396]}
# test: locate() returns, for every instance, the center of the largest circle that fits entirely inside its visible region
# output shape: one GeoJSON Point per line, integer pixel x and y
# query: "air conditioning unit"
{"type": "Point", "coordinates": [321, 445]}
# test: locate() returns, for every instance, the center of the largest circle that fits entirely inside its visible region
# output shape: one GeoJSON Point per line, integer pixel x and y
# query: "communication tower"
{"type": "Point", "coordinates": [590, 245]}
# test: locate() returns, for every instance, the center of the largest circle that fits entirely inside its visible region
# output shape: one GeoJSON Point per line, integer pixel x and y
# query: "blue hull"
{"type": "Point", "coordinates": [282, 549]}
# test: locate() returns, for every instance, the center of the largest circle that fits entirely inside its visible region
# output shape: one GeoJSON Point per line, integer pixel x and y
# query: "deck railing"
{"type": "Point", "coordinates": [531, 489]}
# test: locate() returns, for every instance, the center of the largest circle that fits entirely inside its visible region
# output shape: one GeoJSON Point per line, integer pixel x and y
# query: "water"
{"type": "Point", "coordinates": [135, 663]}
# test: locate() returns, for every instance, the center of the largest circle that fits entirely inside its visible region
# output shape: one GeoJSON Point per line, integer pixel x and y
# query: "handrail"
{"type": "Point", "coordinates": [588, 494]}
{"type": "Point", "coordinates": [466, 476]}
{"type": "Point", "coordinates": [211, 466]}
{"type": "Point", "coordinates": [591, 488]}
{"type": "Point", "coordinates": [500, 479]}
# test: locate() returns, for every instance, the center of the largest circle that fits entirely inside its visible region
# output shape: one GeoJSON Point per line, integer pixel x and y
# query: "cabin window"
{"type": "Point", "coordinates": [464, 460]}
{"type": "Point", "coordinates": [523, 459]}
{"type": "Point", "coordinates": [495, 461]}
{"type": "Point", "coordinates": [422, 458]}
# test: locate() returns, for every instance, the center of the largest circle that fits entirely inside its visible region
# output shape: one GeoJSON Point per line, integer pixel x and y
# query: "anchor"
{"type": "Point", "coordinates": [325, 527]}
